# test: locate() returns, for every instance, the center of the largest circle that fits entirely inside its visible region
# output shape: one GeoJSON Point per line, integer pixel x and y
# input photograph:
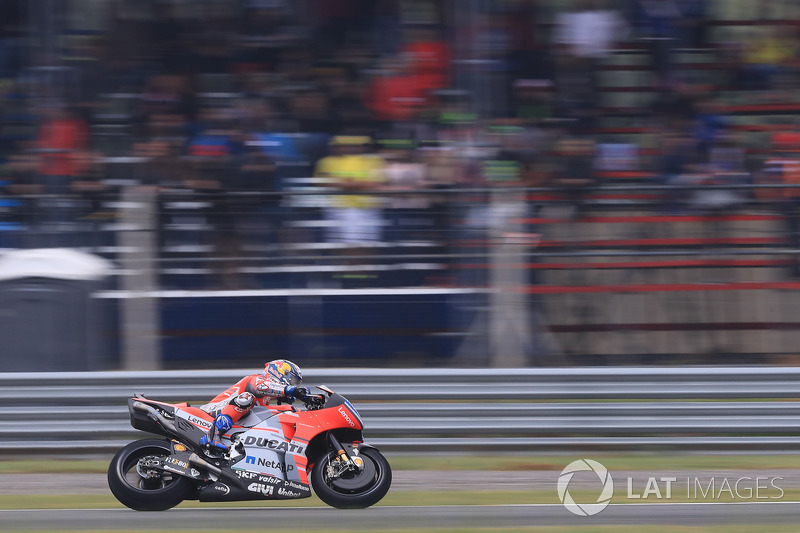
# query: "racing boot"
{"type": "Point", "coordinates": [211, 441]}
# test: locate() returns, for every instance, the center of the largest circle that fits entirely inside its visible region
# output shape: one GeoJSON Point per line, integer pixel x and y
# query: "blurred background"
{"type": "Point", "coordinates": [472, 183]}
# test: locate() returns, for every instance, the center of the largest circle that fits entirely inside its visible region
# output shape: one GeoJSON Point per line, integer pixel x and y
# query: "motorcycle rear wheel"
{"type": "Point", "coordinates": [353, 490]}
{"type": "Point", "coordinates": [155, 491]}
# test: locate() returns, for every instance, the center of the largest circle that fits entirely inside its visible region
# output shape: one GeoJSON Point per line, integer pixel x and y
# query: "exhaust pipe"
{"type": "Point", "coordinates": [202, 463]}
{"type": "Point", "coordinates": [155, 415]}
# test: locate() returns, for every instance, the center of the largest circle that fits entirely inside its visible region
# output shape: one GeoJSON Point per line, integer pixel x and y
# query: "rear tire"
{"type": "Point", "coordinates": [356, 491]}
{"type": "Point", "coordinates": [156, 490]}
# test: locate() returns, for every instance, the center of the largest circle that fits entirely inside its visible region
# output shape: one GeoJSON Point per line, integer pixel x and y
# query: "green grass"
{"type": "Point", "coordinates": [102, 501]}
{"type": "Point", "coordinates": [54, 466]}
{"type": "Point", "coordinates": [644, 462]}
{"type": "Point", "coordinates": [544, 529]}
{"type": "Point", "coordinates": [396, 498]}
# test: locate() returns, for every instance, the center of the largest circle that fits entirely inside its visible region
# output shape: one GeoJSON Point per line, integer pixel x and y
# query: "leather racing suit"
{"type": "Point", "coordinates": [235, 402]}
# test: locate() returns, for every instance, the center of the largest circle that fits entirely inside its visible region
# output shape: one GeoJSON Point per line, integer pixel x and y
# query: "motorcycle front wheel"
{"type": "Point", "coordinates": [352, 490]}
{"type": "Point", "coordinates": [140, 487]}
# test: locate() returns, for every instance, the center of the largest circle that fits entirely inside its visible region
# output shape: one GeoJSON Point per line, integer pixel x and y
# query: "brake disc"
{"type": "Point", "coordinates": [354, 481]}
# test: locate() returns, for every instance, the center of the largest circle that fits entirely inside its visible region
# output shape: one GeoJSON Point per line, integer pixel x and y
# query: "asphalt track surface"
{"type": "Point", "coordinates": [380, 518]}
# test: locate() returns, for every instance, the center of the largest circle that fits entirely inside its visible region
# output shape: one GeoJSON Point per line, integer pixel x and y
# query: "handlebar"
{"type": "Point", "coordinates": [314, 401]}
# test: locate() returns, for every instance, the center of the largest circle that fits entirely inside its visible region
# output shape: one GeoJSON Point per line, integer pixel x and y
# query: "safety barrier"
{"type": "Point", "coordinates": [414, 410]}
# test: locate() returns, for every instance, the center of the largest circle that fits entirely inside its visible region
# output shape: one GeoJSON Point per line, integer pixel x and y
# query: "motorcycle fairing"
{"type": "Point", "coordinates": [253, 486]}
{"type": "Point", "coordinates": [237, 485]}
{"type": "Point", "coordinates": [268, 450]}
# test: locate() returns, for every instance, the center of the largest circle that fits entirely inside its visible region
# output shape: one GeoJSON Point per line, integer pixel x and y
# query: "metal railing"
{"type": "Point", "coordinates": [416, 410]}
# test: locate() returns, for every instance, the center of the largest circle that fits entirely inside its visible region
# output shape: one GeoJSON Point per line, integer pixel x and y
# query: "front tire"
{"type": "Point", "coordinates": [353, 490]}
{"type": "Point", "coordinates": [144, 489]}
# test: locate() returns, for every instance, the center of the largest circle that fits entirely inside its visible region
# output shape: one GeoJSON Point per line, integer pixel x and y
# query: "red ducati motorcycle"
{"type": "Point", "coordinates": [275, 453]}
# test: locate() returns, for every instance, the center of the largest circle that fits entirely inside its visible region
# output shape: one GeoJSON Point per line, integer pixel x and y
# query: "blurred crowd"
{"type": "Point", "coordinates": [386, 105]}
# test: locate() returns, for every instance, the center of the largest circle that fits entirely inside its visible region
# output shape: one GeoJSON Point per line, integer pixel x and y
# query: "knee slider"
{"type": "Point", "coordinates": [223, 423]}
{"type": "Point", "coordinates": [244, 400]}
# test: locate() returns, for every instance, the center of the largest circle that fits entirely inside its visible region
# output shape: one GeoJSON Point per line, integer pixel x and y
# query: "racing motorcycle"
{"type": "Point", "coordinates": [275, 453]}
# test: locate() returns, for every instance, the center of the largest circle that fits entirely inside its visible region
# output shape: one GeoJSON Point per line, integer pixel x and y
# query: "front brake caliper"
{"type": "Point", "coordinates": [337, 467]}
{"type": "Point", "coordinates": [341, 464]}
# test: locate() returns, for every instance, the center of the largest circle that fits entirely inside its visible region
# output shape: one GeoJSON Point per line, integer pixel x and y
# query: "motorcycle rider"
{"type": "Point", "coordinates": [280, 379]}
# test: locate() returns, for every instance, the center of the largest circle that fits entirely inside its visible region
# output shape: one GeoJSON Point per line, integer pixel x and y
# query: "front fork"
{"type": "Point", "coordinates": [343, 462]}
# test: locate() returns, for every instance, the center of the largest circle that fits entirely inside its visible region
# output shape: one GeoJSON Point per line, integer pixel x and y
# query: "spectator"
{"type": "Point", "coordinates": [693, 23]}
{"type": "Point", "coordinates": [62, 144]}
{"type": "Point", "coordinates": [336, 21]}
{"type": "Point", "coordinates": [676, 152]}
{"type": "Point", "coordinates": [257, 209]}
{"type": "Point", "coordinates": [19, 170]}
{"type": "Point", "coordinates": [404, 172]}
{"type": "Point", "coordinates": [397, 93]}
{"type": "Point", "coordinates": [533, 100]}
{"type": "Point", "coordinates": [214, 135]}
{"type": "Point", "coordinates": [161, 166]}
{"type": "Point", "coordinates": [524, 21]}
{"type": "Point", "coordinates": [783, 168]}
{"type": "Point", "coordinates": [349, 109]}
{"type": "Point", "coordinates": [516, 147]}
{"type": "Point", "coordinates": [11, 43]}
{"type": "Point", "coordinates": [728, 159]}
{"type": "Point", "coordinates": [483, 47]}
{"type": "Point", "coordinates": [709, 124]}
{"type": "Point", "coordinates": [354, 219]}
{"type": "Point", "coordinates": [659, 25]}
{"type": "Point", "coordinates": [429, 58]}
{"type": "Point", "coordinates": [585, 36]}
{"type": "Point", "coordinates": [387, 28]}
{"type": "Point", "coordinates": [247, 219]}
{"type": "Point", "coordinates": [311, 110]}
{"type": "Point", "coordinates": [769, 54]}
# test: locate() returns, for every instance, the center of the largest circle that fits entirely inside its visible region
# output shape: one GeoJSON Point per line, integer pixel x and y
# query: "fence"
{"type": "Point", "coordinates": [622, 285]}
{"type": "Point", "coordinates": [456, 410]}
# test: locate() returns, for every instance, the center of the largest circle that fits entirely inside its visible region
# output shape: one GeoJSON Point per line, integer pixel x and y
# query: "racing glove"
{"type": "Point", "coordinates": [296, 392]}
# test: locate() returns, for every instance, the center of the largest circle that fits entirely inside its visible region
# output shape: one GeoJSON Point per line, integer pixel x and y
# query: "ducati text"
{"type": "Point", "coordinates": [274, 444]}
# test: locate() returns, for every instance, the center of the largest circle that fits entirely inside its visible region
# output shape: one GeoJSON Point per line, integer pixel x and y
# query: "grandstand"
{"type": "Point", "coordinates": [634, 264]}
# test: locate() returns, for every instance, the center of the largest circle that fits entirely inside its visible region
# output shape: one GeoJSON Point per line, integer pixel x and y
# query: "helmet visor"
{"type": "Point", "coordinates": [293, 378]}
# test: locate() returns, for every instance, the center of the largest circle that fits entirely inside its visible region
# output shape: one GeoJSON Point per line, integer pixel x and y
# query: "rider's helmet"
{"type": "Point", "coordinates": [284, 372]}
